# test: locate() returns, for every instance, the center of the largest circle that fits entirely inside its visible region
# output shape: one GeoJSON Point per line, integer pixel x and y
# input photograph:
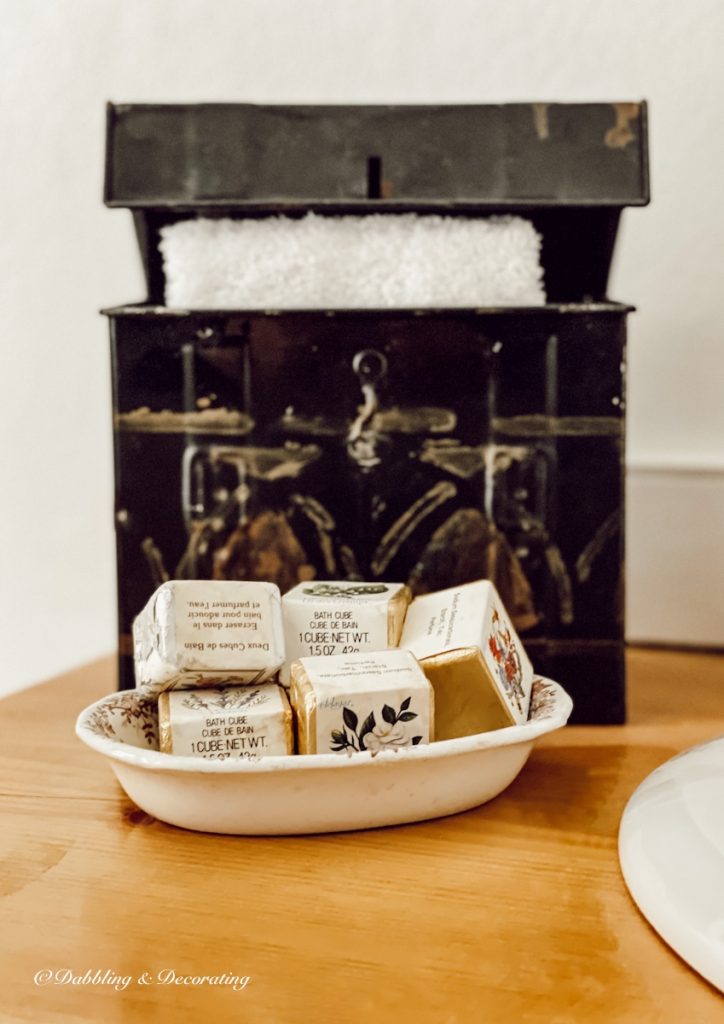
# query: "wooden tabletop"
{"type": "Point", "coordinates": [515, 911]}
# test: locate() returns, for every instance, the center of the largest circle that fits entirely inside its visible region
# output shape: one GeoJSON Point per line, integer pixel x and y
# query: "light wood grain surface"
{"type": "Point", "coordinates": [515, 911]}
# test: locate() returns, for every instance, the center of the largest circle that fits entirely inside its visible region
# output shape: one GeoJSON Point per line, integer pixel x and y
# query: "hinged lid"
{"type": "Point", "coordinates": [569, 167]}
{"type": "Point", "coordinates": [466, 158]}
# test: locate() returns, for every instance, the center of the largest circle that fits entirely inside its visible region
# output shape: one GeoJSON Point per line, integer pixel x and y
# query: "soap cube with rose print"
{"type": "Point", "coordinates": [349, 703]}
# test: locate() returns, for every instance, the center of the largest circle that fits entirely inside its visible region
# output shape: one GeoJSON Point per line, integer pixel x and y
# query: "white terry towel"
{"type": "Point", "coordinates": [376, 261]}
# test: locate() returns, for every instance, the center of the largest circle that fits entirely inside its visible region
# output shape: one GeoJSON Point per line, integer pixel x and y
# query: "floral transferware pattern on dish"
{"type": "Point", "coordinates": [127, 717]}
{"type": "Point", "coordinates": [543, 700]}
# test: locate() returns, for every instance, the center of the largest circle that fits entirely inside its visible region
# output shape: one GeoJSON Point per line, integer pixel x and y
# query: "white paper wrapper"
{"type": "Point", "coordinates": [195, 633]}
{"type": "Point", "coordinates": [326, 618]}
{"type": "Point", "coordinates": [245, 722]}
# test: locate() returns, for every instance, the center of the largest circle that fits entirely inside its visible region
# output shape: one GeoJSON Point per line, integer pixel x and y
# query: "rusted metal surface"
{"type": "Point", "coordinates": [464, 157]}
{"type": "Point", "coordinates": [488, 445]}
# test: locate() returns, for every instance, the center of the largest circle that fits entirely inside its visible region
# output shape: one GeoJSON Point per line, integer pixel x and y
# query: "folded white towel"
{"type": "Point", "coordinates": [373, 261]}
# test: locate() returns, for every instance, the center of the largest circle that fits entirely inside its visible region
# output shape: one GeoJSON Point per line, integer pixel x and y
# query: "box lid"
{"type": "Point", "coordinates": [454, 158]}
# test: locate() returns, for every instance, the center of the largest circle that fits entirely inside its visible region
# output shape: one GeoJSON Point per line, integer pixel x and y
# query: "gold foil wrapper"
{"type": "Point", "coordinates": [467, 700]}
{"type": "Point", "coordinates": [304, 703]}
{"type": "Point", "coordinates": [396, 612]}
{"type": "Point", "coordinates": [288, 723]}
{"type": "Point", "coordinates": [165, 738]}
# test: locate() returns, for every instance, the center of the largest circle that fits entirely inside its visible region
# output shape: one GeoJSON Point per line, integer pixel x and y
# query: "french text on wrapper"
{"type": "Point", "coordinates": [166, 977]}
{"type": "Point", "coordinates": [242, 617]}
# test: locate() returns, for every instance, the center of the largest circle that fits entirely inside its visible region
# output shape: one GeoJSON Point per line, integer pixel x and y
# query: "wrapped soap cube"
{"type": "Point", "coordinates": [370, 701]}
{"type": "Point", "coordinates": [468, 649]}
{"type": "Point", "coordinates": [195, 633]}
{"type": "Point", "coordinates": [324, 619]}
{"type": "Point", "coordinates": [233, 722]}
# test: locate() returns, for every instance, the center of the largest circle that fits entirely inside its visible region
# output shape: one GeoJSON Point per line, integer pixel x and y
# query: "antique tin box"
{"type": "Point", "coordinates": [496, 444]}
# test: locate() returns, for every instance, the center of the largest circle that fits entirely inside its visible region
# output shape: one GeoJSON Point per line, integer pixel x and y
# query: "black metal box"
{"type": "Point", "coordinates": [495, 447]}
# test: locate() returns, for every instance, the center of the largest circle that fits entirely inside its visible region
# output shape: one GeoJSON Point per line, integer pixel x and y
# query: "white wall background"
{"type": "Point", "coordinates": [62, 256]}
